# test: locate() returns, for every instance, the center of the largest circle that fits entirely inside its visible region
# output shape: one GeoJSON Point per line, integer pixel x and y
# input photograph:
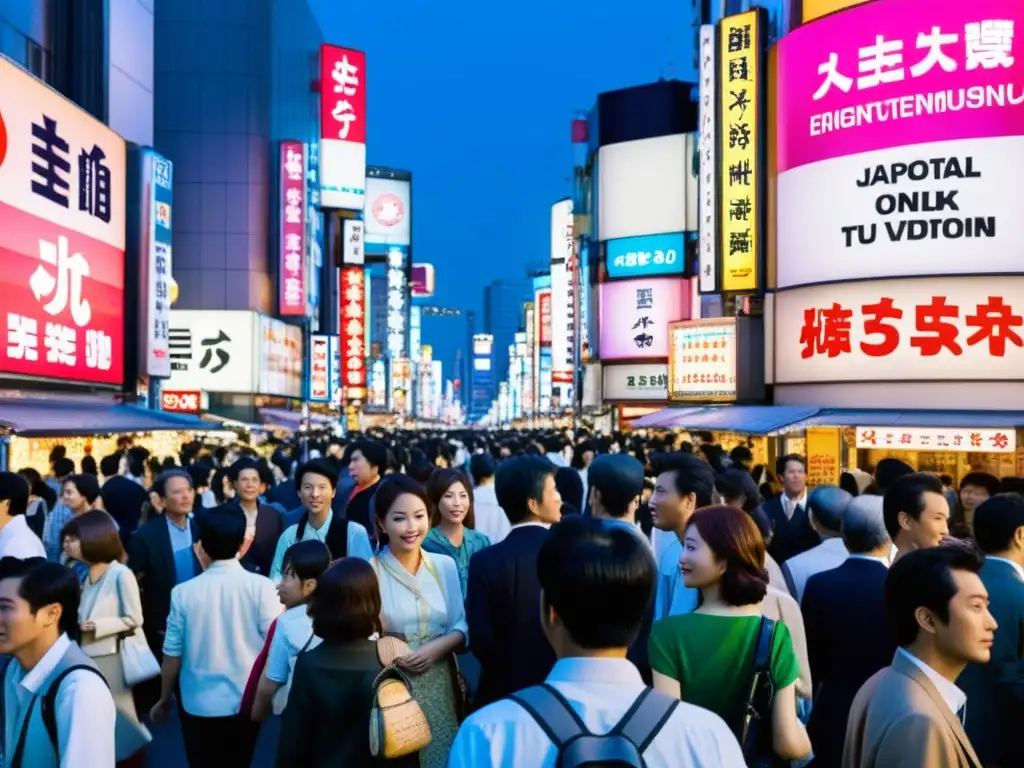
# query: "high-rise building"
{"type": "Point", "coordinates": [503, 316]}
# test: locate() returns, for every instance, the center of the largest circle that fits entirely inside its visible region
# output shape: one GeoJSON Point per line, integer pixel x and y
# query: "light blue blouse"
{"type": "Point", "coordinates": [472, 542]}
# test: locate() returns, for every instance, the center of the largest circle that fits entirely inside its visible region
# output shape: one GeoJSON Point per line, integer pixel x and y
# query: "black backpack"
{"type": "Point", "coordinates": [622, 747]}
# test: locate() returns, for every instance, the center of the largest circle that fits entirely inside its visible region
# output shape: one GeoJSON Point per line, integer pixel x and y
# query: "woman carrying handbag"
{"type": "Point", "coordinates": [111, 621]}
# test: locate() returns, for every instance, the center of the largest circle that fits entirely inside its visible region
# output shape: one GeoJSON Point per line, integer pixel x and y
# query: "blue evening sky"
{"type": "Point", "coordinates": [476, 100]}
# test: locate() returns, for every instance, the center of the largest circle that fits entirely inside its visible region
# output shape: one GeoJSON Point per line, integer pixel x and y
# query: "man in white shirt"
{"type": "Point", "coordinates": [16, 538]}
{"type": "Point", "coordinates": [826, 506]}
{"type": "Point", "coordinates": [491, 519]}
{"type": "Point", "coordinates": [56, 707]}
{"type": "Point", "coordinates": [596, 581]}
{"type": "Point", "coordinates": [216, 628]}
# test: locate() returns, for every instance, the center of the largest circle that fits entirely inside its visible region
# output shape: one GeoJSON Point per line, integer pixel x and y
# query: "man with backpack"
{"type": "Point", "coordinates": [597, 581]}
{"type": "Point", "coordinates": [56, 708]}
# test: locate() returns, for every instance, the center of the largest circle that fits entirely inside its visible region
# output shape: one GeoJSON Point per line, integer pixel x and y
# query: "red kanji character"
{"type": "Point", "coordinates": [975, 439]}
{"type": "Point", "coordinates": [875, 319]}
{"type": "Point", "coordinates": [931, 320]}
{"type": "Point", "coordinates": [958, 440]}
{"type": "Point", "coordinates": [995, 321]}
{"type": "Point", "coordinates": [999, 440]}
{"type": "Point", "coordinates": [906, 438]}
{"type": "Point", "coordinates": [869, 436]}
{"type": "Point", "coordinates": [826, 331]}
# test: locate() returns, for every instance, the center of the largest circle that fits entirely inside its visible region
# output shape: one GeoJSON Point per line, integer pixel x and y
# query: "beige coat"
{"type": "Point", "coordinates": [778, 605]}
{"type": "Point", "coordinates": [900, 720]}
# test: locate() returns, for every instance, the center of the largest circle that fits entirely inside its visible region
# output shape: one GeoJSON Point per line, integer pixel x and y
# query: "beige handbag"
{"type": "Point", "coordinates": [398, 726]}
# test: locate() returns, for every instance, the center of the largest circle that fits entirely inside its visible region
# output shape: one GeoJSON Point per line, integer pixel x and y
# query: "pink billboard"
{"type": "Point", "coordinates": [893, 73]}
{"type": "Point", "coordinates": [292, 212]}
{"type": "Point", "coordinates": [635, 315]}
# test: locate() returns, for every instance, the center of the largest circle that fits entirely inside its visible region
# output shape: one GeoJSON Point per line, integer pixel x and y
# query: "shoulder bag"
{"type": "Point", "coordinates": [137, 660]}
{"type": "Point", "coordinates": [755, 728]}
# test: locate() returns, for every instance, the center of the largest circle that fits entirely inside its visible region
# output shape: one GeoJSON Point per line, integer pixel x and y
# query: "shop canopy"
{"type": "Point", "coordinates": [666, 417]}
{"type": "Point", "coordinates": [292, 420]}
{"type": "Point", "coordinates": [840, 417]}
{"type": "Point", "coordinates": [60, 418]}
{"type": "Point", "coordinates": [748, 419]}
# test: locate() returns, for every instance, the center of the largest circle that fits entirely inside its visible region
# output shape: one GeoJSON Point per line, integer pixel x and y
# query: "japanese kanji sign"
{"type": "Point", "coordinates": [342, 127]}
{"type": "Point", "coordinates": [824, 456]}
{"type": "Point", "coordinates": [398, 301]}
{"type": "Point", "coordinates": [62, 237]}
{"type": "Point", "coordinates": [930, 329]}
{"type": "Point", "coordinates": [324, 369]}
{"type": "Point", "coordinates": [702, 360]}
{"type": "Point", "coordinates": [708, 181]}
{"type": "Point", "coordinates": [353, 246]}
{"type": "Point", "coordinates": [561, 297]}
{"type": "Point", "coordinates": [174, 401]}
{"type": "Point", "coordinates": [815, 9]}
{"type": "Point", "coordinates": [156, 266]}
{"type": "Point", "coordinates": [292, 263]}
{"type": "Point", "coordinates": [214, 351]}
{"type": "Point", "coordinates": [740, 54]}
{"type": "Point", "coordinates": [635, 315]}
{"type": "Point", "coordinates": [352, 319]}
{"type": "Point", "coordinates": [952, 439]}
{"type": "Point", "coordinates": [647, 381]}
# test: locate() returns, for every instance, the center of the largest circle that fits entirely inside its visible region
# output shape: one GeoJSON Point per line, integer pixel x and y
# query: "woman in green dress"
{"type": "Point", "coordinates": [707, 657]}
{"type": "Point", "coordinates": [451, 520]}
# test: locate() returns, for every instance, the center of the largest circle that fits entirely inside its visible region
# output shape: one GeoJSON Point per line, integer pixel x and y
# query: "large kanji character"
{"type": "Point", "coordinates": [995, 321]}
{"type": "Point", "coordinates": [932, 319]}
{"type": "Point", "coordinates": [826, 331]}
{"type": "Point", "coordinates": [877, 319]}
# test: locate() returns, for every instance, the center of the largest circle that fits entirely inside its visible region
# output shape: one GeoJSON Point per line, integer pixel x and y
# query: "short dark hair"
{"type": "Point", "coordinates": [390, 489]}
{"type": "Point", "coordinates": [734, 538]}
{"type": "Point", "coordinates": [982, 480]}
{"type": "Point", "coordinates": [828, 503]}
{"type": "Point", "coordinates": [98, 535]}
{"type": "Point", "coordinates": [923, 578]}
{"type": "Point", "coordinates": [437, 486]}
{"type": "Point", "coordinates": [996, 520]}
{"type": "Point", "coordinates": [345, 605]}
{"type": "Point", "coordinates": [375, 453]}
{"type": "Point", "coordinates": [15, 490]}
{"type": "Point", "coordinates": [782, 461]}
{"type": "Point", "coordinates": [63, 467]}
{"type": "Point", "coordinates": [110, 465]}
{"type": "Point", "coordinates": [481, 467]}
{"type": "Point", "coordinates": [620, 479]}
{"type": "Point", "coordinates": [44, 583]}
{"type": "Point", "coordinates": [691, 475]}
{"type": "Point", "coordinates": [599, 579]}
{"type": "Point", "coordinates": [888, 471]}
{"type": "Point", "coordinates": [160, 484]}
{"type": "Point", "coordinates": [241, 465]}
{"type": "Point", "coordinates": [87, 485]}
{"type": "Point", "coordinates": [308, 559]}
{"type": "Point", "coordinates": [734, 483]}
{"type": "Point", "coordinates": [906, 495]}
{"type": "Point", "coordinates": [320, 467]}
{"type": "Point", "coordinates": [221, 531]}
{"type": "Point", "coordinates": [518, 480]}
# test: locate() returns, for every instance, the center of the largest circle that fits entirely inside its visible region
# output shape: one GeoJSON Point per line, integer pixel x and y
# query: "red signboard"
{"type": "Point", "coordinates": [342, 94]}
{"type": "Point", "coordinates": [62, 237]}
{"type": "Point", "coordinates": [180, 402]}
{"type": "Point", "coordinates": [544, 317]}
{"type": "Point", "coordinates": [353, 331]}
{"type": "Point", "coordinates": [292, 215]}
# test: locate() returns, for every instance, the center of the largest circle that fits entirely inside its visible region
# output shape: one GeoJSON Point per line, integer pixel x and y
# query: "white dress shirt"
{"type": "Point", "coordinates": [955, 698]}
{"type": "Point", "coordinates": [358, 542]}
{"type": "Point", "coordinates": [18, 540]}
{"type": "Point", "coordinates": [217, 625]}
{"type": "Point", "coordinates": [84, 710]}
{"type": "Point", "coordinates": [789, 504]}
{"type": "Point", "coordinates": [831, 553]}
{"type": "Point", "coordinates": [490, 518]}
{"type": "Point", "coordinates": [504, 735]}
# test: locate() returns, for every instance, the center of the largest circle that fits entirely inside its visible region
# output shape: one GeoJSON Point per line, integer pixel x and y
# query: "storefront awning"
{"type": "Point", "coordinates": [838, 417]}
{"type": "Point", "coordinates": [666, 417]}
{"type": "Point", "coordinates": [748, 419]}
{"type": "Point", "coordinates": [293, 419]}
{"type": "Point", "coordinates": [59, 418]}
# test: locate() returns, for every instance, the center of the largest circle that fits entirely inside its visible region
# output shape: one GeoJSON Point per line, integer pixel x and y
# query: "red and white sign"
{"type": "Point", "coordinates": [292, 214]}
{"type": "Point", "coordinates": [62, 237]}
{"type": "Point", "coordinates": [320, 369]}
{"type": "Point", "coordinates": [353, 332]}
{"type": "Point", "coordinates": [342, 127]}
{"type": "Point", "coordinates": [932, 329]}
{"type": "Point", "coordinates": [544, 317]}
{"type": "Point", "coordinates": [955, 439]}
{"type": "Point", "coordinates": [388, 210]}
{"type": "Point", "coordinates": [181, 402]}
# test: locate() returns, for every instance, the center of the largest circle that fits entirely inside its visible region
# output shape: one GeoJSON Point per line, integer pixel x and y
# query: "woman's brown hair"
{"type": "Point", "coordinates": [97, 533]}
{"type": "Point", "coordinates": [440, 481]}
{"type": "Point", "coordinates": [345, 606]}
{"type": "Point", "coordinates": [734, 538]}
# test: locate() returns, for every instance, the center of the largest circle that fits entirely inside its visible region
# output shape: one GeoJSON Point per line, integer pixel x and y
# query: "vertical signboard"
{"type": "Point", "coordinates": [314, 226]}
{"type": "Point", "coordinates": [396, 302]}
{"type": "Point", "coordinates": [739, 142]}
{"type": "Point", "coordinates": [292, 215]}
{"type": "Point", "coordinates": [352, 232]}
{"type": "Point", "coordinates": [560, 304]}
{"type": "Point", "coordinates": [353, 319]}
{"type": "Point", "coordinates": [156, 267]}
{"type": "Point", "coordinates": [529, 359]}
{"type": "Point", "coordinates": [342, 127]}
{"type": "Point", "coordinates": [320, 369]}
{"type": "Point", "coordinates": [544, 318]}
{"type": "Point", "coordinates": [708, 184]}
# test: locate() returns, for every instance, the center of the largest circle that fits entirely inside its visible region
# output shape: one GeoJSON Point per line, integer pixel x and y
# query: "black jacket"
{"type": "Point", "coordinates": [790, 536]}
{"type": "Point", "coordinates": [269, 527]}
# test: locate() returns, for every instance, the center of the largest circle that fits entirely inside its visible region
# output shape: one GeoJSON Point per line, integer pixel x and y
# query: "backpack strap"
{"type": "Point", "coordinates": [49, 710]}
{"type": "Point", "coordinates": [645, 718]}
{"type": "Point", "coordinates": [551, 712]}
{"type": "Point", "coordinates": [763, 651]}
{"type": "Point", "coordinates": [300, 527]}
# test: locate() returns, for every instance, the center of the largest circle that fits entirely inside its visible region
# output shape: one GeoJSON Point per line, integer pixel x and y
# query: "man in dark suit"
{"type": "Point", "coordinates": [844, 620]}
{"type": "Point", "coordinates": [503, 596]}
{"type": "Point", "coordinates": [792, 529]}
{"type": "Point", "coordinates": [264, 524]}
{"type": "Point", "coordinates": [995, 691]}
{"type": "Point", "coordinates": [122, 498]}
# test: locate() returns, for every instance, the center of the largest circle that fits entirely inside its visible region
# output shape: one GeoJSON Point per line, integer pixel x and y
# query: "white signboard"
{"type": "Point", "coordinates": [930, 329]}
{"type": "Point", "coordinates": [955, 439]}
{"type": "Point", "coordinates": [388, 211]}
{"type": "Point", "coordinates": [213, 351]}
{"type": "Point", "coordinates": [281, 358]}
{"type": "Point", "coordinates": [702, 360]}
{"type": "Point", "coordinates": [708, 173]}
{"type": "Point", "coordinates": [561, 295]}
{"type": "Point", "coordinates": [353, 233]}
{"type": "Point", "coordinates": [944, 208]}
{"type": "Point", "coordinates": [646, 381]}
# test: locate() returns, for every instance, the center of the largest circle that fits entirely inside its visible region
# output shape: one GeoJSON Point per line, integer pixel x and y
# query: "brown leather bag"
{"type": "Point", "coordinates": [398, 726]}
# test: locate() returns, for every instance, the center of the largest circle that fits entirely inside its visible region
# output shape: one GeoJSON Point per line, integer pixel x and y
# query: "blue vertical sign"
{"type": "Point", "coordinates": [157, 265]}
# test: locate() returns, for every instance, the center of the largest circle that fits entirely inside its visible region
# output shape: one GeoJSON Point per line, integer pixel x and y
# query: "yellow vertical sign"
{"type": "Point", "coordinates": [824, 456]}
{"type": "Point", "coordinates": [739, 141]}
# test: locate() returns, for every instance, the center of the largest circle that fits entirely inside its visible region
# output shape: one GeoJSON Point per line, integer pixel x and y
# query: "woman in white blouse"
{"type": "Point", "coordinates": [421, 600]}
{"type": "Point", "coordinates": [110, 610]}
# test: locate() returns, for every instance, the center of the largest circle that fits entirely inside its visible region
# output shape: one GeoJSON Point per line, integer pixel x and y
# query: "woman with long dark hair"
{"type": "Point", "coordinates": [452, 520]}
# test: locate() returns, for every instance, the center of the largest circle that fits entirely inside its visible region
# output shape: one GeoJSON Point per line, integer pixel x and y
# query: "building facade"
{"type": "Point", "coordinates": [503, 317]}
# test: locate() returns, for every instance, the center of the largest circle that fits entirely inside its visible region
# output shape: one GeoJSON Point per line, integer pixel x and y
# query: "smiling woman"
{"type": "Point", "coordinates": [452, 521]}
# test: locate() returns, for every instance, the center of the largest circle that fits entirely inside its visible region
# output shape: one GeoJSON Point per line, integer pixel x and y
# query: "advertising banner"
{"type": "Point", "coordinates": [707, 147]}
{"type": "Point", "coordinates": [739, 146]}
{"type": "Point", "coordinates": [561, 298]}
{"type": "Point", "coordinates": [292, 216]}
{"type": "Point", "coordinates": [314, 226]}
{"type": "Point", "coordinates": [214, 351]}
{"type": "Point", "coordinates": [815, 9]}
{"type": "Point", "coordinates": [824, 456]}
{"type": "Point", "coordinates": [544, 317]}
{"type": "Point", "coordinates": [647, 381]}
{"type": "Point", "coordinates": [352, 251]}
{"type": "Point", "coordinates": [62, 237]}
{"type": "Point", "coordinates": [900, 135]}
{"type": "Point", "coordinates": [320, 369]}
{"type": "Point", "coordinates": [931, 329]}
{"type": "Point", "coordinates": [703, 360]}
{"type": "Point", "coordinates": [281, 358]}
{"type": "Point", "coordinates": [342, 127]}
{"type": "Point", "coordinates": [353, 331]}
{"type": "Point", "coordinates": [945, 439]}
{"type": "Point", "coordinates": [530, 358]}
{"type": "Point", "coordinates": [397, 301]}
{"type": "Point", "coordinates": [180, 402]}
{"type": "Point", "coordinates": [635, 315]}
{"type": "Point", "coordinates": [388, 212]}
{"type": "Point", "coordinates": [156, 269]}
{"type": "Point", "coordinates": [646, 256]}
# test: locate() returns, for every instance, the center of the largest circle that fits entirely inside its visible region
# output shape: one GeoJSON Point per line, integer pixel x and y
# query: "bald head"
{"type": "Point", "coordinates": [864, 525]}
{"type": "Point", "coordinates": [828, 505]}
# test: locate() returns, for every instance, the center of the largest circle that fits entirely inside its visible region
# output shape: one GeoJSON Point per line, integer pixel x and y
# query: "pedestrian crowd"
{"type": "Point", "coordinates": [509, 598]}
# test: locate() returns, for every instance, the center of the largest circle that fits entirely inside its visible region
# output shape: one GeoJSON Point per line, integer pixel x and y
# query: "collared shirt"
{"type": "Point", "coordinates": [600, 691]}
{"type": "Point", "coordinates": [217, 626]}
{"type": "Point", "coordinates": [673, 597]}
{"type": "Point", "coordinates": [1016, 566]}
{"type": "Point", "coordinates": [491, 519]}
{"type": "Point", "coordinates": [883, 560]}
{"type": "Point", "coordinates": [955, 698]}
{"type": "Point", "coordinates": [250, 519]}
{"type": "Point", "coordinates": [532, 522]}
{"type": "Point", "coordinates": [789, 504]}
{"type": "Point", "coordinates": [181, 546]}
{"type": "Point", "coordinates": [358, 542]}
{"type": "Point", "coordinates": [84, 710]}
{"type": "Point", "coordinates": [52, 527]}
{"type": "Point", "coordinates": [18, 540]}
